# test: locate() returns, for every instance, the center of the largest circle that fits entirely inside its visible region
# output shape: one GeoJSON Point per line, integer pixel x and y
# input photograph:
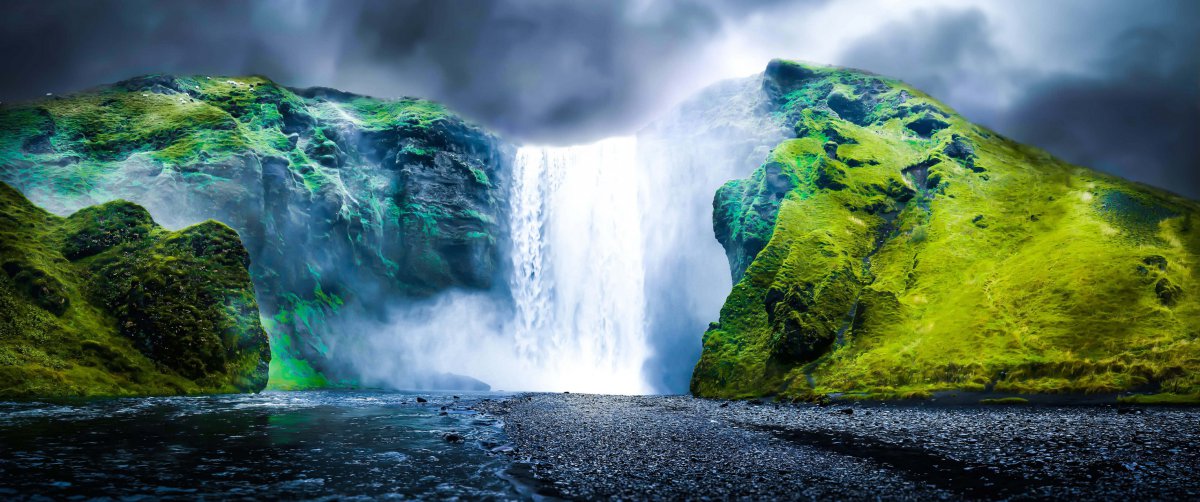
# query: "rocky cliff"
{"type": "Point", "coordinates": [892, 249]}
{"type": "Point", "coordinates": [106, 302]}
{"type": "Point", "coordinates": [684, 156]}
{"type": "Point", "coordinates": [343, 201]}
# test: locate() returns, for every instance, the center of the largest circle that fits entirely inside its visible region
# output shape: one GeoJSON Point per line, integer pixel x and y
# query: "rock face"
{"type": "Point", "coordinates": [891, 249]}
{"type": "Point", "coordinates": [722, 132]}
{"type": "Point", "coordinates": [342, 201]}
{"type": "Point", "coordinates": [106, 302]}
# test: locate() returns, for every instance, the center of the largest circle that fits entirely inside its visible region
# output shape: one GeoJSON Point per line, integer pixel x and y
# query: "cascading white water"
{"type": "Point", "coordinates": [615, 271]}
{"type": "Point", "coordinates": [577, 266]}
{"type": "Point", "coordinates": [577, 319]}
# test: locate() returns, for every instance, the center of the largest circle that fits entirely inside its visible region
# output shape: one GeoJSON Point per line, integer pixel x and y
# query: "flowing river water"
{"type": "Point", "coordinates": [327, 444]}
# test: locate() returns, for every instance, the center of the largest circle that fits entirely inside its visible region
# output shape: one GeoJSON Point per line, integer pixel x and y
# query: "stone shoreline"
{"type": "Point", "coordinates": [669, 447]}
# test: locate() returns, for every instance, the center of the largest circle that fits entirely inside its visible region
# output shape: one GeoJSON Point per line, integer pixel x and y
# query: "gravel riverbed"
{"type": "Point", "coordinates": [578, 446]}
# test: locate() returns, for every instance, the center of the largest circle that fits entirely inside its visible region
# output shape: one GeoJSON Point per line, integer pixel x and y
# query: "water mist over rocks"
{"type": "Point", "coordinates": [721, 134]}
{"type": "Point", "coordinates": [575, 319]}
{"type": "Point", "coordinates": [614, 268]}
{"type": "Point", "coordinates": [395, 244]}
{"type": "Point", "coordinates": [348, 205]}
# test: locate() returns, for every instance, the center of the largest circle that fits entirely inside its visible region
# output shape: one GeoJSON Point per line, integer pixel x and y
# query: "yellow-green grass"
{"type": "Point", "coordinates": [1161, 398]}
{"type": "Point", "coordinates": [1005, 270]}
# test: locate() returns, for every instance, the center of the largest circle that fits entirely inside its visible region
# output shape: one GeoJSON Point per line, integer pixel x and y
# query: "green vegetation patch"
{"type": "Point", "coordinates": [886, 259]}
{"type": "Point", "coordinates": [106, 302]}
{"type": "Point", "coordinates": [389, 196]}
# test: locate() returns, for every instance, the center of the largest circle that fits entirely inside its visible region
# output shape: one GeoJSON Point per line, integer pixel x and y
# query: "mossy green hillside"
{"type": "Point", "coordinates": [893, 249]}
{"type": "Point", "coordinates": [107, 303]}
{"type": "Point", "coordinates": [343, 201]}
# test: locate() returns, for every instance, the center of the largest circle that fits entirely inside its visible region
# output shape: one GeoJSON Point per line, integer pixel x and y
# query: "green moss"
{"type": "Point", "coordinates": [903, 262]}
{"type": "Point", "coordinates": [1161, 398]}
{"type": "Point", "coordinates": [112, 125]}
{"type": "Point", "coordinates": [287, 370]}
{"type": "Point", "coordinates": [481, 177]}
{"type": "Point", "coordinates": [360, 178]}
{"type": "Point", "coordinates": [105, 302]}
{"type": "Point", "coordinates": [95, 229]}
{"type": "Point", "coordinates": [380, 114]}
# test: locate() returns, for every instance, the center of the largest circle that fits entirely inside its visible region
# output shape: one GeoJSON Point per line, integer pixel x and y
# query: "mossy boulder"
{"type": "Point", "coordinates": [37, 285]}
{"type": "Point", "coordinates": [98, 228]}
{"type": "Point", "coordinates": [904, 251]}
{"type": "Point", "coordinates": [106, 302]}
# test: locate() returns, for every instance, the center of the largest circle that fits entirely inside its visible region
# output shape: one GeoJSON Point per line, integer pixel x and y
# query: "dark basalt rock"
{"type": "Point", "coordinates": [831, 149]}
{"type": "Point", "coordinates": [919, 173]}
{"type": "Point", "coordinates": [836, 136]}
{"type": "Point", "coordinates": [853, 110]}
{"type": "Point", "coordinates": [160, 84]}
{"type": "Point", "coordinates": [782, 77]}
{"type": "Point", "coordinates": [1168, 293]}
{"type": "Point", "coordinates": [960, 149]}
{"type": "Point", "coordinates": [926, 126]}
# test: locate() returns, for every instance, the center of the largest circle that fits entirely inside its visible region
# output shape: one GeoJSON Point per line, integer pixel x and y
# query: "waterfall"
{"type": "Point", "coordinates": [577, 315]}
{"type": "Point", "coordinates": [577, 280]}
{"type": "Point", "coordinates": [614, 271]}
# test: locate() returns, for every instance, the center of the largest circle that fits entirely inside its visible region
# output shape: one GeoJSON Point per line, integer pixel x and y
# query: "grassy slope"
{"type": "Point", "coordinates": [901, 260]}
{"type": "Point", "coordinates": [78, 149]}
{"type": "Point", "coordinates": [106, 302]}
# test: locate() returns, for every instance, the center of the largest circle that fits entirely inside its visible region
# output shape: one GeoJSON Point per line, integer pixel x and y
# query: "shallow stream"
{"type": "Point", "coordinates": [316, 444]}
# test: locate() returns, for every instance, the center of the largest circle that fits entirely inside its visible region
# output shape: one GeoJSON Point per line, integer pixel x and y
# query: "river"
{"type": "Point", "coordinates": [326, 444]}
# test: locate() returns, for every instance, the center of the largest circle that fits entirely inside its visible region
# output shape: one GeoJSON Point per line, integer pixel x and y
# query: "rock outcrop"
{"type": "Point", "coordinates": [344, 202]}
{"type": "Point", "coordinates": [892, 249]}
{"type": "Point", "coordinates": [106, 302]}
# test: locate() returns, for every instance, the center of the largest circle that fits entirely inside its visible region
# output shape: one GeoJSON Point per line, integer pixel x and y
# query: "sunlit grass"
{"type": "Point", "coordinates": [1008, 271]}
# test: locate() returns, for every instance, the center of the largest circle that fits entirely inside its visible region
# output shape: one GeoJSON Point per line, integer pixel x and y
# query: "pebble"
{"type": "Point", "coordinates": [668, 447]}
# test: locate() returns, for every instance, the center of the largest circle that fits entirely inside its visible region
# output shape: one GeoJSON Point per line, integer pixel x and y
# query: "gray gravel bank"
{"type": "Point", "coordinates": [670, 447]}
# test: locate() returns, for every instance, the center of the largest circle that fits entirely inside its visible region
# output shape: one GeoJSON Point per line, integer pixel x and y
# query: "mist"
{"type": "Point", "coordinates": [570, 315]}
{"type": "Point", "coordinates": [1110, 85]}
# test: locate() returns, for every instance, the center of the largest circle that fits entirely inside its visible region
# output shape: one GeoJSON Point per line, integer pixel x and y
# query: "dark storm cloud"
{"type": "Point", "coordinates": [1123, 95]}
{"type": "Point", "coordinates": [1107, 84]}
{"type": "Point", "coordinates": [536, 69]}
{"type": "Point", "coordinates": [936, 51]}
{"type": "Point", "coordinates": [1140, 118]}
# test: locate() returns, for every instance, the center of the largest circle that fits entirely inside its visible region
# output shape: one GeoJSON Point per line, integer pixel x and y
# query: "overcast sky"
{"type": "Point", "coordinates": [1112, 85]}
